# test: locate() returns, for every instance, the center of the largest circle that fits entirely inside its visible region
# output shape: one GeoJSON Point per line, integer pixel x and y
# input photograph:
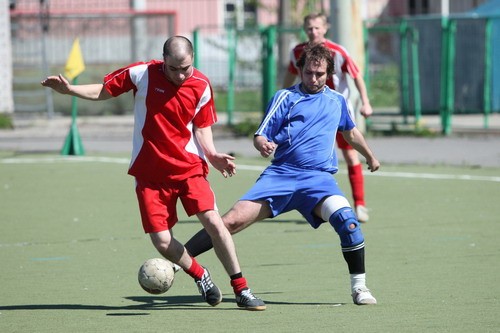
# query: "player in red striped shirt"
{"type": "Point", "coordinates": [316, 27]}
{"type": "Point", "coordinates": [174, 111]}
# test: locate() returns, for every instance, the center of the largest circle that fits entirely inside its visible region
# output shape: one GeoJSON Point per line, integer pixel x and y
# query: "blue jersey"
{"type": "Point", "coordinates": [304, 127]}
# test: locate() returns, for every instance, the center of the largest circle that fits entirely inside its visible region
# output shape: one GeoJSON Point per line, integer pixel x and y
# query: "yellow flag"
{"type": "Point", "coordinates": [74, 65]}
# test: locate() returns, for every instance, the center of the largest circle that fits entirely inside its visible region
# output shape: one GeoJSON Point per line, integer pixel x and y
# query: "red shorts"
{"type": "Point", "coordinates": [341, 143]}
{"type": "Point", "coordinates": [158, 201]}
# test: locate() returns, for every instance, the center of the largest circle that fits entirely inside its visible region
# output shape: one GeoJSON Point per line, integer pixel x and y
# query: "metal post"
{"type": "Point", "coordinates": [196, 46]}
{"type": "Point", "coordinates": [231, 41]}
{"type": "Point", "coordinates": [6, 94]}
{"type": "Point", "coordinates": [366, 72]}
{"type": "Point", "coordinates": [447, 86]}
{"type": "Point", "coordinates": [416, 76]}
{"type": "Point", "coordinates": [139, 46]}
{"type": "Point", "coordinates": [487, 72]}
{"type": "Point", "coordinates": [340, 21]}
{"type": "Point", "coordinates": [73, 144]}
{"type": "Point", "coordinates": [268, 66]}
{"type": "Point", "coordinates": [405, 92]}
{"type": "Point", "coordinates": [346, 30]}
{"type": "Point", "coordinates": [44, 23]}
{"type": "Point", "coordinates": [450, 94]}
{"type": "Point", "coordinates": [284, 39]}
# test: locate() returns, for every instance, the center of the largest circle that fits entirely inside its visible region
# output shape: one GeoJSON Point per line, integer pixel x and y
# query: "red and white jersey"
{"type": "Point", "coordinates": [164, 147]}
{"type": "Point", "coordinates": [344, 65]}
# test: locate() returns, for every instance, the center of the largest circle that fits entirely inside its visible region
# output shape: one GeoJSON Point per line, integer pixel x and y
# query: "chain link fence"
{"type": "Point", "coordinates": [41, 45]}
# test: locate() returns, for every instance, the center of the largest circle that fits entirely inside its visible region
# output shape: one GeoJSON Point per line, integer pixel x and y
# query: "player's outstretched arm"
{"type": "Point", "coordinates": [93, 92]}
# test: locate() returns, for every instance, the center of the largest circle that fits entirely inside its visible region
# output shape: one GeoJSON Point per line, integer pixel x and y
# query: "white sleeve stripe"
{"type": "Point", "coordinates": [205, 97]}
{"type": "Point", "coordinates": [272, 111]}
{"type": "Point", "coordinates": [137, 72]}
{"type": "Point", "coordinates": [134, 73]}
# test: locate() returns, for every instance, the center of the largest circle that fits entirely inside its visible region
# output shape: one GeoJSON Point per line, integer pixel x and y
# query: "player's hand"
{"type": "Point", "coordinates": [267, 148]}
{"type": "Point", "coordinates": [373, 164]}
{"type": "Point", "coordinates": [58, 83]}
{"type": "Point", "coordinates": [224, 163]}
{"type": "Point", "coordinates": [366, 110]}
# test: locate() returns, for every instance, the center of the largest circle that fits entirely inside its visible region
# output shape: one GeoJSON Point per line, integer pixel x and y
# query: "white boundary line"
{"type": "Point", "coordinates": [117, 160]}
{"type": "Point", "coordinates": [76, 159]}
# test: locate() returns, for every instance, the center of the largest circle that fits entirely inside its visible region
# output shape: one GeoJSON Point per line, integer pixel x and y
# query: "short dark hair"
{"type": "Point", "coordinates": [173, 43]}
{"type": "Point", "coordinates": [317, 53]}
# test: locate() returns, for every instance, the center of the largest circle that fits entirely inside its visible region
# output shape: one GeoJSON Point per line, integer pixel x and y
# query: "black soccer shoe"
{"type": "Point", "coordinates": [247, 300]}
{"type": "Point", "coordinates": [210, 292]}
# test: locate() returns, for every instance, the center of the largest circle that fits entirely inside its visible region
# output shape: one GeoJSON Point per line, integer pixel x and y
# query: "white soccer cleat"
{"type": "Point", "coordinates": [362, 214]}
{"type": "Point", "coordinates": [363, 296]}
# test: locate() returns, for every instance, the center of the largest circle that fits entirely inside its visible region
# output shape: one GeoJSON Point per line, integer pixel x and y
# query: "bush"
{"type": "Point", "coordinates": [246, 127]}
{"type": "Point", "coordinates": [6, 121]}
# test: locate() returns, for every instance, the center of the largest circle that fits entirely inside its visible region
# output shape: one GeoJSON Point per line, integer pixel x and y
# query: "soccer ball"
{"type": "Point", "coordinates": [156, 276]}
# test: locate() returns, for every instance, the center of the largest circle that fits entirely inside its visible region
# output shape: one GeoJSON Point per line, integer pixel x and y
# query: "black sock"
{"type": "Point", "coordinates": [199, 243]}
{"type": "Point", "coordinates": [355, 261]}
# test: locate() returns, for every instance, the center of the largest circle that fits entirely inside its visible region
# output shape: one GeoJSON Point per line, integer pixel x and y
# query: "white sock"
{"type": "Point", "coordinates": [358, 281]}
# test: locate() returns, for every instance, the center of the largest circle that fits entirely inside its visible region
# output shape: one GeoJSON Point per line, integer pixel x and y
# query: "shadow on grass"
{"type": "Point", "coordinates": [270, 220]}
{"type": "Point", "coordinates": [150, 303]}
{"type": "Point", "coordinates": [183, 300]}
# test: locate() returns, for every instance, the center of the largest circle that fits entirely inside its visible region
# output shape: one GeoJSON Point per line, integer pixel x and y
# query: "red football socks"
{"type": "Point", "coordinates": [239, 285]}
{"type": "Point", "coordinates": [196, 270]}
{"type": "Point", "coordinates": [357, 184]}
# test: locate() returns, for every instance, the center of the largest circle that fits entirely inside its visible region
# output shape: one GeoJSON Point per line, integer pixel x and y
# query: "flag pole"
{"type": "Point", "coordinates": [73, 144]}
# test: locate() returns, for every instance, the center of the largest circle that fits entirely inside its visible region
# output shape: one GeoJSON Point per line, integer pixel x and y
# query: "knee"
{"type": "Point", "coordinates": [231, 221]}
{"type": "Point", "coordinates": [161, 242]}
{"type": "Point", "coordinates": [231, 225]}
{"type": "Point", "coordinates": [346, 225]}
{"type": "Point", "coordinates": [232, 228]}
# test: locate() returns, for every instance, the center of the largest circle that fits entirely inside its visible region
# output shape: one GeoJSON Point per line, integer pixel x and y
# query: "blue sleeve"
{"type": "Point", "coordinates": [346, 122]}
{"type": "Point", "coordinates": [273, 118]}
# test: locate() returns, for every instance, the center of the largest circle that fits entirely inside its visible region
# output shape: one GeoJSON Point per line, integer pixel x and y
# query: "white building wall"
{"type": "Point", "coordinates": [6, 100]}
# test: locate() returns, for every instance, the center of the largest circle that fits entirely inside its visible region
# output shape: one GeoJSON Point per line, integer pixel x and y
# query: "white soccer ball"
{"type": "Point", "coordinates": [156, 276]}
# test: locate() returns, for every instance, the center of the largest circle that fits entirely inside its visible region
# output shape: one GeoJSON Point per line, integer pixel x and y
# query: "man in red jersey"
{"type": "Point", "coordinates": [174, 111]}
{"type": "Point", "coordinates": [316, 27]}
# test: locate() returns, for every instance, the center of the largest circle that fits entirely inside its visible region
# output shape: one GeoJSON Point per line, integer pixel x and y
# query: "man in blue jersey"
{"type": "Point", "coordinates": [300, 127]}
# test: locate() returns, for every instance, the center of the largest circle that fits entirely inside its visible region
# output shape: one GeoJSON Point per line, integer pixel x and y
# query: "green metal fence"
{"type": "Point", "coordinates": [415, 66]}
{"type": "Point", "coordinates": [244, 65]}
{"type": "Point", "coordinates": [446, 65]}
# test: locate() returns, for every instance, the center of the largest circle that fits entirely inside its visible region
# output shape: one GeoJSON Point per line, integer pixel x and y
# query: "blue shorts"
{"type": "Point", "coordinates": [288, 188]}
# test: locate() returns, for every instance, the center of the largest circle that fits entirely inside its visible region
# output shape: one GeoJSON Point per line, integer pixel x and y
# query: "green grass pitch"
{"type": "Point", "coordinates": [71, 244]}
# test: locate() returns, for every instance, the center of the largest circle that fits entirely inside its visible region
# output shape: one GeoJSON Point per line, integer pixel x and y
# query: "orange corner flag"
{"type": "Point", "coordinates": [74, 65]}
